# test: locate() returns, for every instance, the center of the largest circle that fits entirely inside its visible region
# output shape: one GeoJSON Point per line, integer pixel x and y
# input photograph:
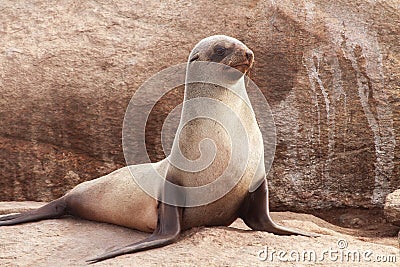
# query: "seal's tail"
{"type": "Point", "coordinates": [54, 209]}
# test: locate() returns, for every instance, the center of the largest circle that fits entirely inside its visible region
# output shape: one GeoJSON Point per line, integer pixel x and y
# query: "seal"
{"type": "Point", "coordinates": [232, 163]}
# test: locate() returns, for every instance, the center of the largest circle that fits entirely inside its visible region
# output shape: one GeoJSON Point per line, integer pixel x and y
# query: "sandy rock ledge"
{"type": "Point", "coordinates": [69, 242]}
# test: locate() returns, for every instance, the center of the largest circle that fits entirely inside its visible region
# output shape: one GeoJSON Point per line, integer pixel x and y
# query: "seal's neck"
{"type": "Point", "coordinates": [223, 91]}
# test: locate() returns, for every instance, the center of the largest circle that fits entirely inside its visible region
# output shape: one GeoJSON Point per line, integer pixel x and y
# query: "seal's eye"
{"type": "Point", "coordinates": [220, 50]}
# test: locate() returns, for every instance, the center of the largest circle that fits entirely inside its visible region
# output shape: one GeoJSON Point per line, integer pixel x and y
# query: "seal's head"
{"type": "Point", "coordinates": [225, 50]}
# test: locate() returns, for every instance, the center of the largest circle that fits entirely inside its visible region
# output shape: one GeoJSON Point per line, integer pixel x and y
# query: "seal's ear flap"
{"type": "Point", "coordinates": [194, 57]}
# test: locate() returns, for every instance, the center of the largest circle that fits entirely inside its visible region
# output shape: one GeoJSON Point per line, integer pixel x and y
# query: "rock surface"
{"type": "Point", "coordinates": [69, 242]}
{"type": "Point", "coordinates": [329, 69]}
{"type": "Point", "coordinates": [392, 207]}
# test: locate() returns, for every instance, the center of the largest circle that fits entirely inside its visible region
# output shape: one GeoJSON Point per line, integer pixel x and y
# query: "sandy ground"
{"type": "Point", "coordinates": [70, 241]}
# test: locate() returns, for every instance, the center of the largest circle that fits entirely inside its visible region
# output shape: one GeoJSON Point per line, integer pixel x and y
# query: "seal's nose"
{"type": "Point", "coordinates": [249, 55]}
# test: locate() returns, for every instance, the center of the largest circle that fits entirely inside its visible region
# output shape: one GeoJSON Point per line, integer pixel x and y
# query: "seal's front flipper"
{"type": "Point", "coordinates": [54, 209]}
{"type": "Point", "coordinates": [255, 213]}
{"type": "Point", "coordinates": [167, 231]}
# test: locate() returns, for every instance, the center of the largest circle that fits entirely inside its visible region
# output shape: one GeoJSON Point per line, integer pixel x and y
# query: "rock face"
{"type": "Point", "coordinates": [392, 208]}
{"type": "Point", "coordinates": [330, 71]}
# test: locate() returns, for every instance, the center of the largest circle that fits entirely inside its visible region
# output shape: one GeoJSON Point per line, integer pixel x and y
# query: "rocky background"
{"type": "Point", "coordinates": [330, 71]}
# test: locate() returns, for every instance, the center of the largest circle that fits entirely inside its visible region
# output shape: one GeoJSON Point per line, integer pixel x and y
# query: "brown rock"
{"type": "Point", "coordinates": [329, 70]}
{"type": "Point", "coordinates": [392, 208]}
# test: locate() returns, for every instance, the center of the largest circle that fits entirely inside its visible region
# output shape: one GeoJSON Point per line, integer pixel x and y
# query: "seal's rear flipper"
{"type": "Point", "coordinates": [255, 213]}
{"type": "Point", "coordinates": [54, 209]}
{"type": "Point", "coordinates": [167, 231]}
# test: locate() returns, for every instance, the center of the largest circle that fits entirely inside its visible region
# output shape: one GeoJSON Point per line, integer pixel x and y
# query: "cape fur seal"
{"type": "Point", "coordinates": [233, 165]}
